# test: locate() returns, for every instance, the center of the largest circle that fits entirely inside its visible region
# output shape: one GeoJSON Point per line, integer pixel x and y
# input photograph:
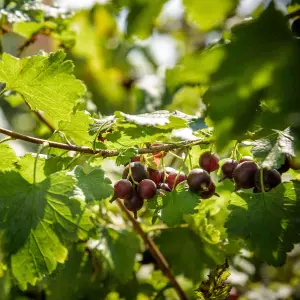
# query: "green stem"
{"type": "Point", "coordinates": [261, 177]}
{"type": "Point", "coordinates": [175, 155]}
{"type": "Point", "coordinates": [98, 132]}
{"type": "Point", "coordinates": [6, 139]}
{"type": "Point", "coordinates": [40, 149]}
{"type": "Point", "coordinates": [190, 161]}
{"type": "Point", "coordinates": [235, 148]}
{"type": "Point", "coordinates": [182, 165]}
{"type": "Point", "coordinates": [77, 156]}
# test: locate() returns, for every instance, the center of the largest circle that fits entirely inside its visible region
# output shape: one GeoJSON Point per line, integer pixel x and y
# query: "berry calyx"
{"type": "Point", "coordinates": [174, 179]}
{"type": "Point", "coordinates": [209, 161]}
{"type": "Point", "coordinates": [134, 203]}
{"type": "Point", "coordinates": [227, 168]}
{"type": "Point", "coordinates": [244, 175]}
{"type": "Point", "coordinates": [246, 158]}
{"type": "Point", "coordinates": [138, 172]}
{"type": "Point", "coordinates": [198, 180]}
{"type": "Point", "coordinates": [146, 189]}
{"type": "Point", "coordinates": [164, 187]}
{"type": "Point", "coordinates": [271, 178]}
{"type": "Point", "coordinates": [210, 192]}
{"type": "Point", "coordinates": [122, 189]}
{"type": "Point", "coordinates": [160, 154]}
{"type": "Point", "coordinates": [155, 176]}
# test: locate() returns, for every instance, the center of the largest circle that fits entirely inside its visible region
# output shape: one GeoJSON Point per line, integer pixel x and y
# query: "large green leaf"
{"type": "Point", "coordinates": [45, 81]}
{"type": "Point", "coordinates": [209, 13]}
{"type": "Point", "coordinates": [36, 221]}
{"type": "Point", "coordinates": [268, 221]}
{"type": "Point", "coordinates": [8, 157]}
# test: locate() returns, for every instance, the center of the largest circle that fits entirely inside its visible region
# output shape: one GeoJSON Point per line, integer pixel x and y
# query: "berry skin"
{"type": "Point", "coordinates": [209, 161]}
{"type": "Point", "coordinates": [271, 178]}
{"type": "Point", "coordinates": [211, 191]}
{"type": "Point", "coordinates": [164, 187]}
{"type": "Point", "coordinates": [160, 154]}
{"type": "Point", "coordinates": [146, 189]}
{"type": "Point", "coordinates": [285, 166]}
{"type": "Point", "coordinates": [246, 158]}
{"type": "Point", "coordinates": [244, 175]}
{"type": "Point", "coordinates": [296, 28]}
{"type": "Point", "coordinates": [134, 203]}
{"type": "Point", "coordinates": [123, 189]}
{"type": "Point", "coordinates": [198, 180]}
{"type": "Point", "coordinates": [136, 159]}
{"type": "Point", "coordinates": [138, 172]}
{"type": "Point", "coordinates": [294, 163]}
{"type": "Point", "coordinates": [227, 168]}
{"type": "Point", "coordinates": [155, 176]}
{"type": "Point", "coordinates": [172, 177]}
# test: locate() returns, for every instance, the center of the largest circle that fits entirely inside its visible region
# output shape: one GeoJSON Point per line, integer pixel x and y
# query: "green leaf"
{"type": "Point", "coordinates": [216, 287]}
{"type": "Point", "coordinates": [77, 129]}
{"type": "Point", "coordinates": [237, 93]}
{"type": "Point", "coordinates": [8, 158]}
{"type": "Point", "coordinates": [268, 221]}
{"type": "Point", "coordinates": [141, 17]}
{"type": "Point", "coordinates": [120, 249]}
{"type": "Point", "coordinates": [192, 259]}
{"type": "Point", "coordinates": [209, 13]}
{"type": "Point", "coordinates": [36, 222]}
{"type": "Point", "coordinates": [45, 81]}
{"type": "Point", "coordinates": [125, 156]}
{"type": "Point", "coordinates": [94, 185]}
{"type": "Point", "coordinates": [274, 148]}
{"type": "Point", "coordinates": [178, 203]}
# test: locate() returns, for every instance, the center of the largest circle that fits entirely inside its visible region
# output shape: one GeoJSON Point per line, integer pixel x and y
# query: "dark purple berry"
{"type": "Point", "coordinates": [209, 161]}
{"type": "Point", "coordinates": [155, 176]}
{"type": "Point", "coordinates": [246, 158]}
{"type": "Point", "coordinates": [285, 166]}
{"type": "Point", "coordinates": [146, 189]}
{"type": "Point", "coordinates": [271, 178]}
{"type": "Point", "coordinates": [296, 28]}
{"type": "Point", "coordinates": [122, 189]}
{"type": "Point", "coordinates": [210, 192]}
{"type": "Point", "coordinates": [198, 180]}
{"type": "Point", "coordinates": [138, 172]}
{"type": "Point", "coordinates": [134, 203]}
{"type": "Point", "coordinates": [244, 174]}
{"type": "Point", "coordinates": [164, 187]}
{"type": "Point", "coordinates": [228, 168]}
{"type": "Point", "coordinates": [173, 176]}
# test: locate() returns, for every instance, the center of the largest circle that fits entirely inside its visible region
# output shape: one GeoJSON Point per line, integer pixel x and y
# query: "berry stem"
{"type": "Point", "coordinates": [234, 150]}
{"type": "Point", "coordinates": [6, 139]}
{"type": "Point", "coordinates": [175, 155]}
{"type": "Point", "coordinates": [98, 132]}
{"type": "Point", "coordinates": [130, 175]}
{"type": "Point", "coordinates": [160, 259]}
{"type": "Point", "coordinates": [261, 178]}
{"type": "Point", "coordinates": [182, 165]}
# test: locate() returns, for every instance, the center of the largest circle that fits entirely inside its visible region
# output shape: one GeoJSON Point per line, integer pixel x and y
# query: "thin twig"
{"type": "Point", "coordinates": [41, 117]}
{"type": "Point", "coordinates": [160, 259]}
{"type": "Point", "coordinates": [104, 153]}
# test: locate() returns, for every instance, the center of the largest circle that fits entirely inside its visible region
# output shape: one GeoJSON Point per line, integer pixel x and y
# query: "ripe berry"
{"type": "Point", "coordinates": [228, 168]}
{"type": "Point", "coordinates": [285, 166]}
{"type": "Point", "coordinates": [164, 187]}
{"type": "Point", "coordinates": [244, 174]}
{"type": "Point", "coordinates": [134, 203]}
{"type": "Point", "coordinates": [271, 178]}
{"type": "Point", "coordinates": [246, 158]}
{"type": "Point", "coordinates": [172, 177]}
{"type": "Point", "coordinates": [294, 163]}
{"type": "Point", "coordinates": [146, 189]}
{"type": "Point", "coordinates": [209, 161]}
{"type": "Point", "coordinates": [123, 189]}
{"type": "Point", "coordinates": [296, 27]}
{"type": "Point", "coordinates": [155, 176]}
{"type": "Point", "coordinates": [159, 154]}
{"type": "Point", "coordinates": [210, 192]}
{"type": "Point", "coordinates": [138, 172]}
{"type": "Point", "coordinates": [136, 159]}
{"type": "Point", "coordinates": [198, 180]}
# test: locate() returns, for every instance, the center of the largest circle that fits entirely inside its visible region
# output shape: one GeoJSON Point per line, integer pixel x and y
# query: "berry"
{"type": "Point", "coordinates": [296, 27]}
{"type": "Point", "coordinates": [136, 159]}
{"type": "Point", "coordinates": [228, 168]}
{"type": "Point", "coordinates": [198, 180]}
{"type": "Point", "coordinates": [285, 166]}
{"type": "Point", "coordinates": [155, 176]}
{"type": "Point", "coordinates": [134, 203]}
{"type": "Point", "coordinates": [246, 158]}
{"type": "Point", "coordinates": [243, 175]}
{"type": "Point", "coordinates": [160, 154]}
{"type": "Point", "coordinates": [294, 163]}
{"type": "Point", "coordinates": [172, 177]}
{"type": "Point", "coordinates": [209, 193]}
{"type": "Point", "coordinates": [147, 189]}
{"type": "Point", "coordinates": [123, 189]}
{"type": "Point", "coordinates": [209, 161]}
{"type": "Point", "coordinates": [164, 187]}
{"type": "Point", "coordinates": [170, 170]}
{"type": "Point", "coordinates": [138, 172]}
{"type": "Point", "coordinates": [271, 178]}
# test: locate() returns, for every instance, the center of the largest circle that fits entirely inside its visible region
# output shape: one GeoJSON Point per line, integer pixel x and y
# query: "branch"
{"type": "Point", "coordinates": [104, 153]}
{"type": "Point", "coordinates": [293, 14]}
{"type": "Point", "coordinates": [160, 259]}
